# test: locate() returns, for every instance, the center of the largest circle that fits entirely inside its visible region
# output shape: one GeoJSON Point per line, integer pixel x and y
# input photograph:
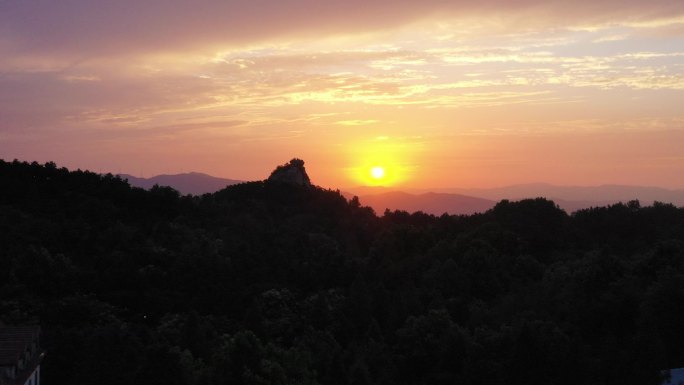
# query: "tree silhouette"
{"type": "Point", "coordinates": [279, 283]}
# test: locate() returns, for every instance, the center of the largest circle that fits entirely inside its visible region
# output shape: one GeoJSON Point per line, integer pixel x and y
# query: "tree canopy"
{"type": "Point", "coordinates": [272, 283]}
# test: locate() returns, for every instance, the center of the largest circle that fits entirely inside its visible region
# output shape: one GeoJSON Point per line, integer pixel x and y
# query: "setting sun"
{"type": "Point", "coordinates": [382, 161]}
{"type": "Point", "coordinates": [377, 172]}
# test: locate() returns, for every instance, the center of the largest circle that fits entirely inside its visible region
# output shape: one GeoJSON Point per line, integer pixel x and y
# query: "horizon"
{"type": "Point", "coordinates": [388, 188]}
{"type": "Point", "coordinates": [435, 201]}
{"type": "Point", "coordinates": [413, 96]}
{"type": "Point", "coordinates": [454, 200]}
{"type": "Point", "coordinates": [410, 190]}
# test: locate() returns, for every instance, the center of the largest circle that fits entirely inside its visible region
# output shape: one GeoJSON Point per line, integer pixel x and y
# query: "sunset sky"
{"type": "Point", "coordinates": [439, 93]}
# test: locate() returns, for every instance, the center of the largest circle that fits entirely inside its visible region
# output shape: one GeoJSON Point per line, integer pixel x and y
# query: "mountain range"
{"type": "Point", "coordinates": [455, 201]}
{"type": "Point", "coordinates": [194, 183]}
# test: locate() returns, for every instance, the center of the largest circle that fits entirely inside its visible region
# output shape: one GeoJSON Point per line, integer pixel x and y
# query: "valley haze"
{"type": "Point", "coordinates": [454, 201]}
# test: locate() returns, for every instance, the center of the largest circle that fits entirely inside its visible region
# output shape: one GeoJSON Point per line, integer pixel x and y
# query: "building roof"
{"type": "Point", "coordinates": [13, 342]}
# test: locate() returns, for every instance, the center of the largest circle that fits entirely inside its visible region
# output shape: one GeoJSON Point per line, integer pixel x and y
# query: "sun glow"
{"type": "Point", "coordinates": [377, 172]}
{"type": "Point", "coordinates": [381, 161]}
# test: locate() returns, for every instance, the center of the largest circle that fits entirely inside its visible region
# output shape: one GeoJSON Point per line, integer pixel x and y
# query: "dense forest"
{"type": "Point", "coordinates": [272, 283]}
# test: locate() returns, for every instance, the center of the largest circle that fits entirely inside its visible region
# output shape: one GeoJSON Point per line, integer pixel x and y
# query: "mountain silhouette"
{"type": "Point", "coordinates": [288, 283]}
{"type": "Point", "coordinates": [194, 183]}
{"type": "Point", "coordinates": [572, 198]}
{"type": "Point", "coordinates": [429, 203]}
{"type": "Point", "coordinates": [292, 173]}
{"type": "Point", "coordinates": [433, 201]}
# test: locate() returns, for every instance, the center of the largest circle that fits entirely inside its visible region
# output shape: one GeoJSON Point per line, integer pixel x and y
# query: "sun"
{"type": "Point", "coordinates": [380, 162]}
{"type": "Point", "coordinates": [377, 172]}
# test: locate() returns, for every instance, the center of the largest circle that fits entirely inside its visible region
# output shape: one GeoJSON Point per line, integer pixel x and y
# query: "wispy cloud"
{"type": "Point", "coordinates": [103, 28]}
{"type": "Point", "coordinates": [227, 72]}
{"type": "Point", "coordinates": [356, 122]}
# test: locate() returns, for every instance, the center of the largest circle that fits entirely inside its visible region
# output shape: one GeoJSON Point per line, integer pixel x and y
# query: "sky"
{"type": "Point", "coordinates": [436, 93]}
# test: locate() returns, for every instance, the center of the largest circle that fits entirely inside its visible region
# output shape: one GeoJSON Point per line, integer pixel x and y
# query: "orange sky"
{"type": "Point", "coordinates": [440, 95]}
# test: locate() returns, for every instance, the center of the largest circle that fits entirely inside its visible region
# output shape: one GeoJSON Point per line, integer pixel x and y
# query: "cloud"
{"type": "Point", "coordinates": [263, 86]}
{"type": "Point", "coordinates": [88, 28]}
{"type": "Point", "coordinates": [356, 122]}
{"type": "Point", "coordinates": [265, 70]}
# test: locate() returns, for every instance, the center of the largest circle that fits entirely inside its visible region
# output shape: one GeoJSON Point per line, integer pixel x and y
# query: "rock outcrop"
{"type": "Point", "coordinates": [292, 173]}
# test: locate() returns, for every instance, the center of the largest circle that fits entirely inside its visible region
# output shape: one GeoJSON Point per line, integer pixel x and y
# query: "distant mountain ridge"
{"type": "Point", "coordinates": [455, 201]}
{"type": "Point", "coordinates": [452, 200]}
{"type": "Point", "coordinates": [576, 197]}
{"type": "Point", "coordinates": [194, 183]}
{"type": "Point", "coordinates": [430, 203]}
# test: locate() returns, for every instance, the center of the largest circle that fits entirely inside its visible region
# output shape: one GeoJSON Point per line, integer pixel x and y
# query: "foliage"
{"type": "Point", "coordinates": [266, 283]}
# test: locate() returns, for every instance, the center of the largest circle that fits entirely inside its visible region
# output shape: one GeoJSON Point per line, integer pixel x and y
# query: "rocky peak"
{"type": "Point", "coordinates": [291, 173]}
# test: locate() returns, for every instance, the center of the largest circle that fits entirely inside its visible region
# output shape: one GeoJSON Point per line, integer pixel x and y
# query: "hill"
{"type": "Point", "coordinates": [430, 203]}
{"type": "Point", "coordinates": [194, 183]}
{"type": "Point", "coordinates": [282, 282]}
{"type": "Point", "coordinates": [577, 197]}
{"type": "Point", "coordinates": [451, 200]}
{"type": "Point", "coordinates": [469, 201]}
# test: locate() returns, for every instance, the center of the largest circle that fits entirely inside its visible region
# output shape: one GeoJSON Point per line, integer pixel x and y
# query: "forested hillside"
{"type": "Point", "coordinates": [270, 283]}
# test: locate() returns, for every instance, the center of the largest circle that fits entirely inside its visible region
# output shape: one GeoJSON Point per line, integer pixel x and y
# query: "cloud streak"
{"type": "Point", "coordinates": [81, 74]}
{"type": "Point", "coordinates": [92, 28]}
